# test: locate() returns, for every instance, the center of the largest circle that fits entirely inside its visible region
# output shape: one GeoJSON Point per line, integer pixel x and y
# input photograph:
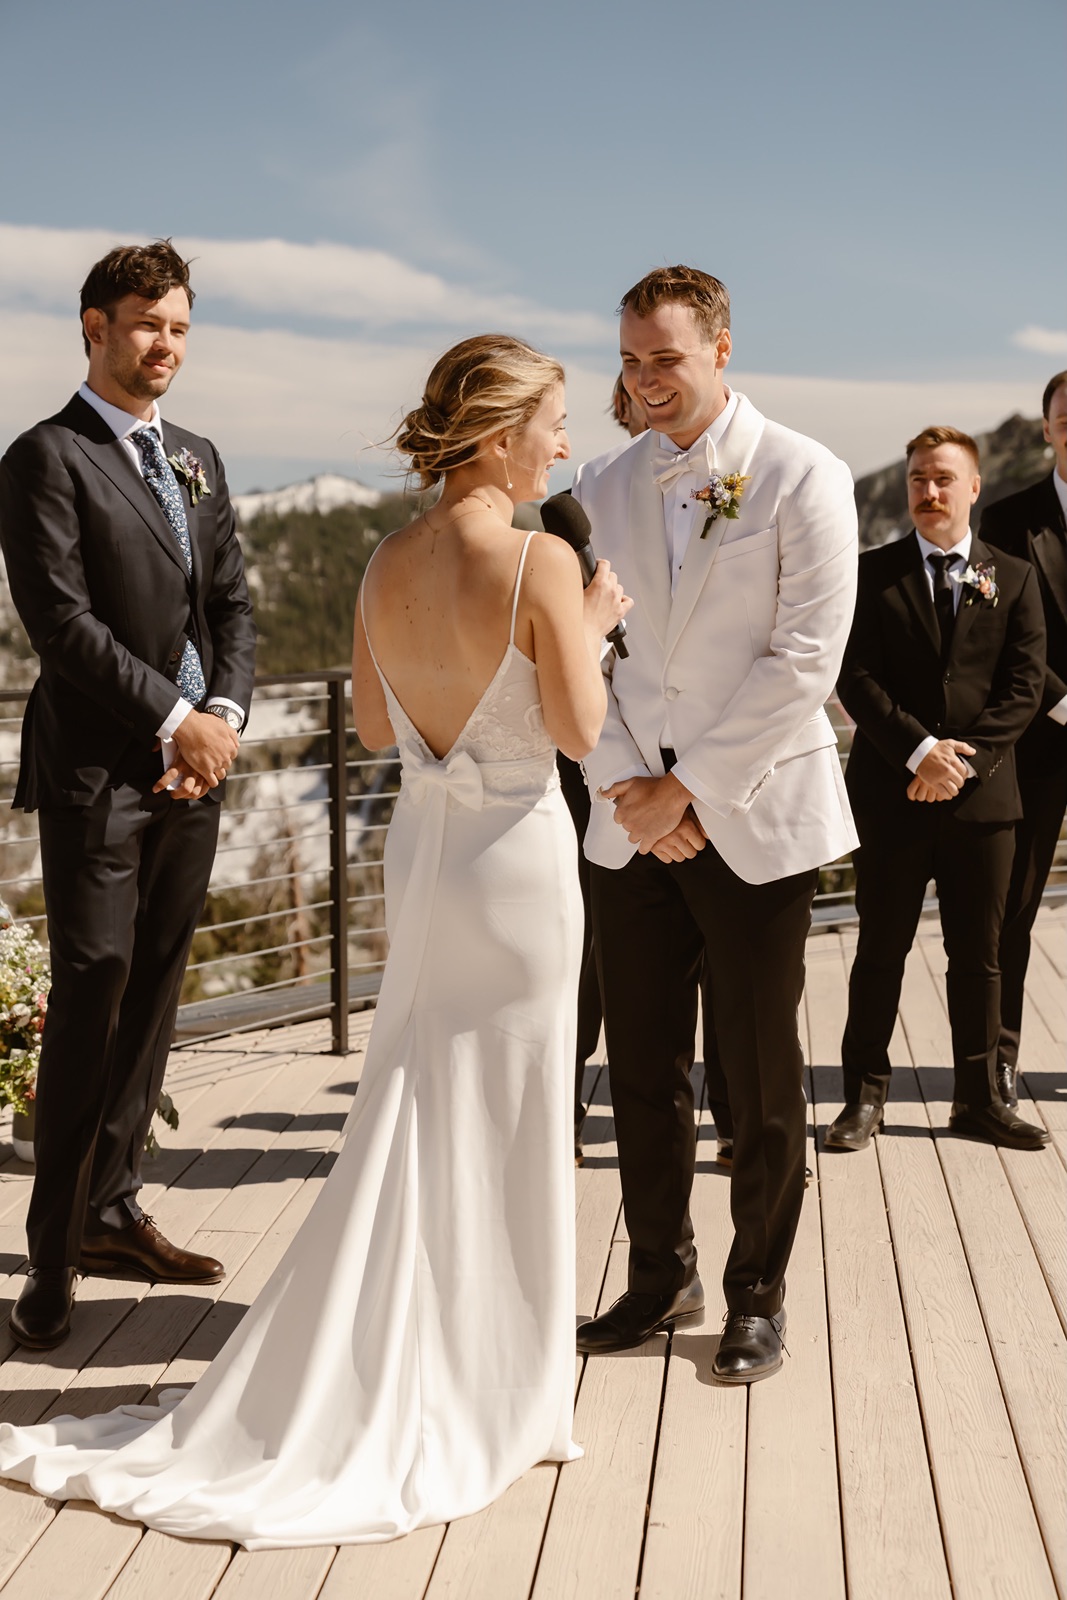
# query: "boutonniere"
{"type": "Point", "coordinates": [981, 582]}
{"type": "Point", "coordinates": [191, 469]}
{"type": "Point", "coordinates": [722, 496]}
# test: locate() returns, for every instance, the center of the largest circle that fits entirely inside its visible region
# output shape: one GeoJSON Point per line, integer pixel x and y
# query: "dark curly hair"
{"type": "Point", "coordinates": [148, 270]}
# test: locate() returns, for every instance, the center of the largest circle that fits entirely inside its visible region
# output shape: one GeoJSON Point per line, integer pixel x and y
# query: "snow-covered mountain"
{"type": "Point", "coordinates": [324, 493]}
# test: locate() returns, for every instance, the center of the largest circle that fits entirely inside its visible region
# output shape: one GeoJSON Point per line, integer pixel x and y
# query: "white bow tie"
{"type": "Point", "coordinates": [699, 459]}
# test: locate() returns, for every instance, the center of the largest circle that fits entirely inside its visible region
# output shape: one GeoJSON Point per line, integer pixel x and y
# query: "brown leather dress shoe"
{"type": "Point", "coordinates": [852, 1128]}
{"type": "Point", "coordinates": [40, 1318]}
{"type": "Point", "coordinates": [750, 1347]}
{"type": "Point", "coordinates": [996, 1124]}
{"type": "Point", "coordinates": [142, 1250]}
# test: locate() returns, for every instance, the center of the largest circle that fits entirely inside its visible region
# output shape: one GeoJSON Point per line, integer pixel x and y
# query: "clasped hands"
{"type": "Point", "coordinates": [941, 774]}
{"type": "Point", "coordinates": [206, 748]}
{"type": "Point", "coordinates": [658, 816]}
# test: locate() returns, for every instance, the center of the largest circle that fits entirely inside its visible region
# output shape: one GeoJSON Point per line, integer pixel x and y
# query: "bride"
{"type": "Point", "coordinates": [413, 1353]}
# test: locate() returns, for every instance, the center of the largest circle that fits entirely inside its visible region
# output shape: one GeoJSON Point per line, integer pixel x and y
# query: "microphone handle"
{"type": "Point", "coordinates": [587, 559]}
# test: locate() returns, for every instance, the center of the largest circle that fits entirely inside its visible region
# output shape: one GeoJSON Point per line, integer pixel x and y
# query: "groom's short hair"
{"type": "Point", "coordinates": [148, 270]}
{"type": "Point", "coordinates": [709, 298]}
{"type": "Point", "coordinates": [930, 438]}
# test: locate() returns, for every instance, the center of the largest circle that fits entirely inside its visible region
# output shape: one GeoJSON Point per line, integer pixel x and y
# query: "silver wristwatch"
{"type": "Point", "coordinates": [233, 719]}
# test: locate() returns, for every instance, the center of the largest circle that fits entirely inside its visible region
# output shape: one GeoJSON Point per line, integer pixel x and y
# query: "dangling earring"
{"type": "Point", "coordinates": [507, 473]}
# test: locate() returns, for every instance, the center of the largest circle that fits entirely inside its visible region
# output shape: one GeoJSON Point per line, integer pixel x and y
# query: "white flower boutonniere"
{"type": "Point", "coordinates": [722, 496]}
{"type": "Point", "coordinates": [981, 583]}
{"type": "Point", "coordinates": [191, 469]}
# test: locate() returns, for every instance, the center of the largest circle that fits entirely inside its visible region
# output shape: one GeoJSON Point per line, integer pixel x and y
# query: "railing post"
{"type": "Point", "coordinates": [338, 808]}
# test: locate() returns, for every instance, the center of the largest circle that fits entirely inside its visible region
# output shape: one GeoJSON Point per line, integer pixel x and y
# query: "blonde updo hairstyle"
{"type": "Point", "coordinates": [486, 385]}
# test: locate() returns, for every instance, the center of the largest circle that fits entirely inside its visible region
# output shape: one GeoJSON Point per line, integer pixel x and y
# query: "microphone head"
{"type": "Point", "coordinates": [562, 515]}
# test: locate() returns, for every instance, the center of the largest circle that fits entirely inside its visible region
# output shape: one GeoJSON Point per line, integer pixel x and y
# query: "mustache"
{"type": "Point", "coordinates": [931, 505]}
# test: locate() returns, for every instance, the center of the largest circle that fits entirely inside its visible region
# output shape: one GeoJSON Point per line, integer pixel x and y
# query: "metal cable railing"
{"type": "Point", "coordinates": [293, 927]}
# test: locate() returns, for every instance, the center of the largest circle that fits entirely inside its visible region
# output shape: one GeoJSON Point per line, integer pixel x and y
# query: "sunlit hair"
{"type": "Point", "coordinates": [148, 270]}
{"type": "Point", "coordinates": [930, 438]}
{"type": "Point", "coordinates": [1051, 387]}
{"type": "Point", "coordinates": [620, 403]}
{"type": "Point", "coordinates": [688, 286]}
{"type": "Point", "coordinates": [489, 384]}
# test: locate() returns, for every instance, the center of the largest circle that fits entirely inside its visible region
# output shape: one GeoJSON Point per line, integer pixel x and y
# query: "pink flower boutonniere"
{"type": "Point", "coordinates": [980, 581]}
{"type": "Point", "coordinates": [722, 496]}
{"type": "Point", "coordinates": [191, 469]}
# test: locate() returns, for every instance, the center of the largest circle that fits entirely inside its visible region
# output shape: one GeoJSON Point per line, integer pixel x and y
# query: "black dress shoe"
{"type": "Point", "coordinates": [997, 1125]}
{"type": "Point", "coordinates": [724, 1152]}
{"type": "Point", "coordinates": [750, 1347]}
{"type": "Point", "coordinates": [142, 1250]}
{"type": "Point", "coordinates": [852, 1130]}
{"type": "Point", "coordinates": [40, 1318]}
{"type": "Point", "coordinates": [1006, 1089]}
{"type": "Point", "coordinates": [636, 1317]}
{"type": "Point", "coordinates": [579, 1153]}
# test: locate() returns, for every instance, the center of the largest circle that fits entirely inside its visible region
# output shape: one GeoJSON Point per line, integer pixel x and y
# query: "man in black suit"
{"type": "Point", "coordinates": [1033, 526]}
{"type": "Point", "coordinates": [942, 673]}
{"type": "Point", "coordinates": [124, 566]}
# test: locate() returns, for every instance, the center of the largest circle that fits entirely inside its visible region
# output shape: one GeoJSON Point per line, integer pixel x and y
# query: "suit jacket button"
{"type": "Point", "coordinates": [671, 692]}
{"type": "Point", "coordinates": [948, 677]}
{"type": "Point", "coordinates": [175, 655]}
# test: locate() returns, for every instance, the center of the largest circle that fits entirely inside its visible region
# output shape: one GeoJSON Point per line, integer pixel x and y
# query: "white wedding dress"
{"type": "Point", "coordinates": [413, 1353]}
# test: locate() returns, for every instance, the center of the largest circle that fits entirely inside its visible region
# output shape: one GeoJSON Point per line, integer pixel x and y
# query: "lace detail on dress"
{"type": "Point", "coordinates": [505, 734]}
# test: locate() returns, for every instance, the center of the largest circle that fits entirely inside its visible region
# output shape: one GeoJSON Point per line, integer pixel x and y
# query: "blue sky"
{"type": "Point", "coordinates": [881, 187]}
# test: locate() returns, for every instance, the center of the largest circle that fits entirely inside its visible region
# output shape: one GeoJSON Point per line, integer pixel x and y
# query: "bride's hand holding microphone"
{"type": "Point", "coordinates": [605, 605]}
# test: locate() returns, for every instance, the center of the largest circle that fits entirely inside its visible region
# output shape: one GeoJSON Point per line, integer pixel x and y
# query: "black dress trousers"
{"type": "Point", "coordinates": [1044, 798]}
{"type": "Point", "coordinates": [654, 926]}
{"type": "Point", "coordinates": [970, 863]}
{"type": "Point", "coordinates": [124, 884]}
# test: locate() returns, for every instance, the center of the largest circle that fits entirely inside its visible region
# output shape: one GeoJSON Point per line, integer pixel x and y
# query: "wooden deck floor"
{"type": "Point", "coordinates": [913, 1447]}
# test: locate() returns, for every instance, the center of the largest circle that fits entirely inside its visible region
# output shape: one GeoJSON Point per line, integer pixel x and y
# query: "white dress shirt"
{"type": "Point", "coordinates": [123, 425]}
{"type": "Point", "coordinates": [963, 551]}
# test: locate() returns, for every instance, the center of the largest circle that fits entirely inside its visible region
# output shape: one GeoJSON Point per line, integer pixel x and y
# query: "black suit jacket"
{"type": "Point", "coordinates": [1031, 526]}
{"type": "Point", "coordinates": [100, 585]}
{"type": "Point", "coordinates": [896, 687]}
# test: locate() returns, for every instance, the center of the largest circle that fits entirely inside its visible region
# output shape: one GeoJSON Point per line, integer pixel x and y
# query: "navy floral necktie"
{"type": "Point", "coordinates": [159, 476]}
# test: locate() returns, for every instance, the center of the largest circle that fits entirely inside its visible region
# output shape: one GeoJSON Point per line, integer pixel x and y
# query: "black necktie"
{"type": "Point", "coordinates": [943, 605]}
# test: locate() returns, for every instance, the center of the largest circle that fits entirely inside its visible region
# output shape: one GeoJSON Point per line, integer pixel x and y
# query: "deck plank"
{"type": "Point", "coordinates": [76, 1557]}
{"type": "Point", "coordinates": [165, 1568]}
{"type": "Point", "coordinates": [399, 1570]}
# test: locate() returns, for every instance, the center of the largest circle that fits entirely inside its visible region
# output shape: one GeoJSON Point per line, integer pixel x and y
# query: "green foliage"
{"type": "Point", "coordinates": [305, 569]}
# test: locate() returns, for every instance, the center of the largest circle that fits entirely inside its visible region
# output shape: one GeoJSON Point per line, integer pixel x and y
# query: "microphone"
{"type": "Point", "coordinates": [563, 516]}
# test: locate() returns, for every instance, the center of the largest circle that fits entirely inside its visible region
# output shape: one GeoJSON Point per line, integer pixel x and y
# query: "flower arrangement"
{"type": "Point", "coordinates": [25, 979]}
{"type": "Point", "coordinates": [981, 581]}
{"type": "Point", "coordinates": [24, 983]}
{"type": "Point", "coordinates": [722, 496]}
{"type": "Point", "coordinates": [191, 469]}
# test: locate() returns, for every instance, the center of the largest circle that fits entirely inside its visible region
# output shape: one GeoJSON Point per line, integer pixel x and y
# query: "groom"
{"type": "Point", "coordinates": [717, 796]}
{"type": "Point", "coordinates": [125, 569]}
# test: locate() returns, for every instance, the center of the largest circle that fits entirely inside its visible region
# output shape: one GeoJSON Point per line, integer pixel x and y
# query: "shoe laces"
{"type": "Point", "coordinates": [747, 1321]}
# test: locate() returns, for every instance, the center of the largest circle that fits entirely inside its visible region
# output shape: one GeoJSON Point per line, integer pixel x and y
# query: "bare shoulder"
{"type": "Point", "coordinates": [551, 564]}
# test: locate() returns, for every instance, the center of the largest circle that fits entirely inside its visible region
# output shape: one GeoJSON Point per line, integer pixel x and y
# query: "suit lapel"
{"type": "Point", "coordinates": [648, 540]}
{"type": "Point", "coordinates": [734, 454]}
{"type": "Point", "coordinates": [111, 459]}
{"type": "Point", "coordinates": [916, 589]}
{"type": "Point", "coordinates": [967, 615]}
{"type": "Point", "coordinates": [1048, 541]}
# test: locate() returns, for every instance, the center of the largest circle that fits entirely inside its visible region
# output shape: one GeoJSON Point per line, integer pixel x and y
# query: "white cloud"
{"type": "Point", "coordinates": [1045, 341]}
{"type": "Point", "coordinates": [45, 267]}
{"type": "Point", "coordinates": [268, 393]}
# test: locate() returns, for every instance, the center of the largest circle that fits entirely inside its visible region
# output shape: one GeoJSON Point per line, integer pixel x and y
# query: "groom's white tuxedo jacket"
{"type": "Point", "coordinates": [743, 656]}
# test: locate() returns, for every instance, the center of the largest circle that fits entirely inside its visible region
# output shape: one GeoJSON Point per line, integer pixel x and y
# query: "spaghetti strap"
{"type": "Point", "coordinates": [362, 612]}
{"type": "Point", "coordinates": [518, 585]}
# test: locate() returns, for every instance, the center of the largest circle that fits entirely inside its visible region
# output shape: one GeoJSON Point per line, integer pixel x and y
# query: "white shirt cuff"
{"type": "Point", "coordinates": [221, 700]}
{"type": "Point", "coordinates": [619, 777]}
{"type": "Point", "coordinates": [695, 787]}
{"type": "Point", "coordinates": [177, 716]}
{"type": "Point", "coordinates": [920, 753]}
{"type": "Point", "coordinates": [1058, 713]}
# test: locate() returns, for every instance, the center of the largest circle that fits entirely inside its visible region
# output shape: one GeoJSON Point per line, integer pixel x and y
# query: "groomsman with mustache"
{"type": "Point", "coordinates": [942, 673]}
{"type": "Point", "coordinates": [1032, 525]}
